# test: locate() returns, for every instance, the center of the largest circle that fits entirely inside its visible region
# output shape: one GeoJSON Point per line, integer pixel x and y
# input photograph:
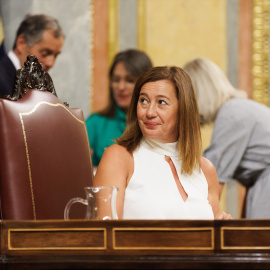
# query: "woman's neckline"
{"type": "Point", "coordinates": [166, 149]}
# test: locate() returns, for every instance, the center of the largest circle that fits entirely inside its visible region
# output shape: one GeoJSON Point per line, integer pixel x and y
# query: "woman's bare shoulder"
{"type": "Point", "coordinates": [117, 151]}
{"type": "Point", "coordinates": [116, 161]}
{"type": "Point", "coordinates": [207, 165]}
{"type": "Point", "coordinates": [117, 156]}
{"type": "Point", "coordinates": [209, 170]}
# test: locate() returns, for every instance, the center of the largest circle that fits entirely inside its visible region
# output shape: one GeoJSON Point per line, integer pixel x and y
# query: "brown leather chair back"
{"type": "Point", "coordinates": [44, 157]}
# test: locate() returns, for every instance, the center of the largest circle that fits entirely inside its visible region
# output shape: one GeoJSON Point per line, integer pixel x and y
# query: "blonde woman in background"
{"type": "Point", "coordinates": [107, 125]}
{"type": "Point", "coordinates": [240, 145]}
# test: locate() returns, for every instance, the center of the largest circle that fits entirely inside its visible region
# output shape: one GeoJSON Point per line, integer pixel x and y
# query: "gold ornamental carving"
{"type": "Point", "coordinates": [260, 55]}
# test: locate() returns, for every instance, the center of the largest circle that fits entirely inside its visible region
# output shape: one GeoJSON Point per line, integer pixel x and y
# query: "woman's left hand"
{"type": "Point", "coordinates": [223, 216]}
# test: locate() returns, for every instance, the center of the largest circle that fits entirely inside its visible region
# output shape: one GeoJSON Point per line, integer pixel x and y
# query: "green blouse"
{"type": "Point", "coordinates": [102, 131]}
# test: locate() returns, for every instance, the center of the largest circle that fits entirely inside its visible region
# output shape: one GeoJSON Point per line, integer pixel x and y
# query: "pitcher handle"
{"type": "Point", "coordinates": [72, 201]}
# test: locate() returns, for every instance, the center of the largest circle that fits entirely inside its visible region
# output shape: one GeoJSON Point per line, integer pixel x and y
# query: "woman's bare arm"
{"type": "Point", "coordinates": [213, 188]}
{"type": "Point", "coordinates": [115, 169]}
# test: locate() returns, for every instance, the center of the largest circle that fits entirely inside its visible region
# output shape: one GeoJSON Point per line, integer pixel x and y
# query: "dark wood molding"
{"type": "Point", "coordinates": [152, 244]}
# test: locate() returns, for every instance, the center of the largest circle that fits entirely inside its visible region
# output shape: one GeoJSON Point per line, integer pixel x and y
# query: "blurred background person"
{"type": "Point", "coordinates": [38, 35]}
{"type": "Point", "coordinates": [104, 127]}
{"type": "Point", "coordinates": [157, 163]}
{"type": "Point", "coordinates": [240, 145]}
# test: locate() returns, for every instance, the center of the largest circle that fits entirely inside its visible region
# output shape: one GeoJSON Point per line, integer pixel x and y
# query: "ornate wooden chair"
{"type": "Point", "coordinates": [44, 150]}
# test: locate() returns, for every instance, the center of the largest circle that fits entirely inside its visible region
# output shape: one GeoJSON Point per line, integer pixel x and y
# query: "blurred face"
{"type": "Point", "coordinates": [157, 111]}
{"type": "Point", "coordinates": [46, 50]}
{"type": "Point", "coordinates": [122, 83]}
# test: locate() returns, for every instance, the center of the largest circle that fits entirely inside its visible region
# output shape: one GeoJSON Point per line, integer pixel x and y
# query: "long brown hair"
{"type": "Point", "coordinates": [135, 62]}
{"type": "Point", "coordinates": [189, 137]}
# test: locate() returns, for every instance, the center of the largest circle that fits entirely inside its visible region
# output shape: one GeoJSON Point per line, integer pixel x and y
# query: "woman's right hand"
{"type": "Point", "coordinates": [223, 216]}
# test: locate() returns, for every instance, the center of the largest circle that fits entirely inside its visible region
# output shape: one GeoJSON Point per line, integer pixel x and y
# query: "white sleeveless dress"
{"type": "Point", "coordinates": [152, 192]}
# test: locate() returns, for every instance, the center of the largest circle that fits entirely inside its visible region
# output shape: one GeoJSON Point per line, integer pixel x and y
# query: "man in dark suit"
{"type": "Point", "coordinates": [7, 76]}
{"type": "Point", "coordinates": [38, 35]}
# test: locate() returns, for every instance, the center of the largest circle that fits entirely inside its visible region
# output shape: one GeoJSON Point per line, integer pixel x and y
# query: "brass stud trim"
{"type": "Point", "coordinates": [21, 115]}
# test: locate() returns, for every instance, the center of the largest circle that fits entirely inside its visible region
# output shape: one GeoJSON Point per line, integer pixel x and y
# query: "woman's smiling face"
{"type": "Point", "coordinates": [157, 111]}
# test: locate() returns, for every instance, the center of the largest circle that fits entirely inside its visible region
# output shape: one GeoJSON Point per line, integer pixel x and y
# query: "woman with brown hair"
{"type": "Point", "coordinates": [157, 163]}
{"type": "Point", "coordinates": [106, 126]}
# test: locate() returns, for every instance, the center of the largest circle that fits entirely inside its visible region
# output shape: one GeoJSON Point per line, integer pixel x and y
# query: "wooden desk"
{"type": "Point", "coordinates": [81, 244]}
